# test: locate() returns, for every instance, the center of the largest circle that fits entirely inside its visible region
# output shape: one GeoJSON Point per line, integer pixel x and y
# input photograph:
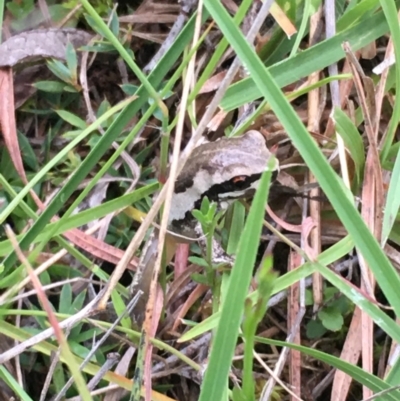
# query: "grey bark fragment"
{"type": "Point", "coordinates": [40, 43]}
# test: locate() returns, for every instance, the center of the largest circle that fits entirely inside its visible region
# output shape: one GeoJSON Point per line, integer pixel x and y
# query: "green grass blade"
{"type": "Point", "coordinates": [313, 59]}
{"type": "Point", "coordinates": [85, 216]}
{"type": "Point", "coordinates": [53, 162]}
{"type": "Point", "coordinates": [106, 31]}
{"type": "Point", "coordinates": [352, 140]}
{"type": "Point", "coordinates": [155, 78]}
{"type": "Point", "coordinates": [9, 380]}
{"type": "Point", "coordinates": [216, 376]}
{"type": "Point", "coordinates": [392, 201]}
{"type": "Point", "coordinates": [373, 382]}
{"type": "Point", "coordinates": [331, 255]}
{"type": "Point", "coordinates": [329, 181]}
{"type": "Point", "coordinates": [390, 11]}
{"type": "Point", "coordinates": [380, 318]}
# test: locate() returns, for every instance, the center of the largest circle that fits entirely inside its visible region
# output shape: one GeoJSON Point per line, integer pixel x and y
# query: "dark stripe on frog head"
{"type": "Point", "coordinates": [215, 192]}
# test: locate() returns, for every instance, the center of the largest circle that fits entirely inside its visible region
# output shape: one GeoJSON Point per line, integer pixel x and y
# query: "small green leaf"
{"type": "Point", "coordinates": [93, 141]}
{"type": "Point", "coordinates": [211, 212]}
{"type": "Point", "coordinates": [343, 305]}
{"type": "Point", "coordinates": [329, 293]}
{"type": "Point", "coordinates": [238, 394]}
{"type": "Point", "coordinates": [352, 140]}
{"type": "Point", "coordinates": [45, 278]}
{"type": "Point", "coordinates": [95, 25]}
{"type": "Point", "coordinates": [120, 307]}
{"type": "Point", "coordinates": [315, 329]}
{"type": "Point", "coordinates": [87, 335]}
{"type": "Point", "coordinates": [72, 61]}
{"type": "Point", "coordinates": [78, 301]}
{"type": "Point", "coordinates": [199, 278]}
{"type": "Point", "coordinates": [114, 23]}
{"type": "Point", "coordinates": [238, 212]}
{"type": "Point", "coordinates": [66, 300]}
{"type": "Point", "coordinates": [70, 89]}
{"type": "Point", "coordinates": [20, 9]}
{"type": "Point", "coordinates": [205, 205]}
{"type": "Point", "coordinates": [315, 5]}
{"type": "Point", "coordinates": [266, 279]}
{"type": "Point", "coordinates": [158, 114]}
{"type": "Point", "coordinates": [102, 47]}
{"type": "Point", "coordinates": [60, 70]}
{"type": "Point", "coordinates": [58, 378]}
{"type": "Point", "coordinates": [81, 351]}
{"type": "Point", "coordinates": [50, 86]}
{"type": "Point", "coordinates": [71, 119]}
{"type": "Point", "coordinates": [129, 89]}
{"type": "Point", "coordinates": [28, 155]}
{"type": "Point", "coordinates": [198, 261]}
{"type": "Point", "coordinates": [309, 299]}
{"type": "Point", "coordinates": [104, 106]}
{"type": "Point", "coordinates": [331, 318]}
{"type": "Point", "coordinates": [199, 216]}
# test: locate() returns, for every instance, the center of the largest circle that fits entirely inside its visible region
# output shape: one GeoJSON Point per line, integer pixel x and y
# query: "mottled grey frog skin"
{"type": "Point", "coordinates": [227, 169]}
{"type": "Point", "coordinates": [223, 170]}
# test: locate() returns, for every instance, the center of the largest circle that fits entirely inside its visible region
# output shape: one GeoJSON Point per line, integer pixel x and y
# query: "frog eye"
{"type": "Point", "coordinates": [240, 182]}
{"type": "Point", "coordinates": [239, 178]}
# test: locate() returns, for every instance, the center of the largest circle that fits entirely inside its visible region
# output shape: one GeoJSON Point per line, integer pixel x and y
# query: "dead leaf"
{"type": "Point", "coordinates": [213, 83]}
{"type": "Point", "coordinates": [7, 121]}
{"type": "Point", "coordinates": [282, 20]}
